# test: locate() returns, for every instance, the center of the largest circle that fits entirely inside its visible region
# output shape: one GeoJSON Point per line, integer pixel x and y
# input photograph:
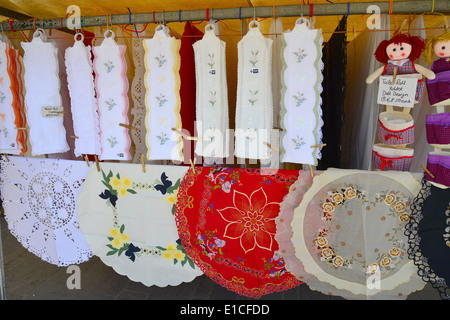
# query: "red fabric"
{"type": "Point", "coordinates": [226, 222]}
{"type": "Point", "coordinates": [188, 86]}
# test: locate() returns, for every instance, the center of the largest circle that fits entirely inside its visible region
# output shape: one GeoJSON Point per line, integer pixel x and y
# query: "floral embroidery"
{"type": "Point", "coordinates": [275, 266]}
{"type": "Point", "coordinates": [251, 220]}
{"type": "Point", "coordinates": [298, 142]}
{"type": "Point", "coordinates": [253, 98]}
{"type": "Point", "coordinates": [175, 252]}
{"type": "Point", "coordinates": [254, 60]}
{"type": "Point", "coordinates": [210, 244]}
{"type": "Point", "coordinates": [110, 104]}
{"type": "Point", "coordinates": [299, 99]}
{"type": "Point", "coordinates": [223, 179]}
{"type": "Point", "coordinates": [250, 134]}
{"type": "Point", "coordinates": [109, 66]}
{"type": "Point", "coordinates": [2, 97]}
{"type": "Point", "coordinates": [160, 60]}
{"type": "Point", "coordinates": [211, 62]}
{"type": "Point", "coordinates": [3, 117]}
{"type": "Point", "coordinates": [116, 186]}
{"type": "Point", "coordinates": [162, 139]}
{"type": "Point", "coordinates": [5, 131]}
{"type": "Point", "coordinates": [212, 100]}
{"type": "Point", "coordinates": [299, 55]}
{"type": "Point", "coordinates": [112, 141]}
{"type": "Point", "coordinates": [161, 100]}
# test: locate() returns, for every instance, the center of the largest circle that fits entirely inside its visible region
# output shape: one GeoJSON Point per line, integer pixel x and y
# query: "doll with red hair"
{"type": "Point", "coordinates": [399, 53]}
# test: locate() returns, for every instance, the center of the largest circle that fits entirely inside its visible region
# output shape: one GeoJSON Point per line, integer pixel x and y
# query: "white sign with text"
{"type": "Point", "coordinates": [400, 94]}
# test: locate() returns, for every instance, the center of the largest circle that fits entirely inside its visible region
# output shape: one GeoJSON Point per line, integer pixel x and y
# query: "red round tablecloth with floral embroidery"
{"type": "Point", "coordinates": [226, 222]}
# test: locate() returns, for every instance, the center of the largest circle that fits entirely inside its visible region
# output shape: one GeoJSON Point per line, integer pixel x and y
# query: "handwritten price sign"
{"type": "Point", "coordinates": [400, 94]}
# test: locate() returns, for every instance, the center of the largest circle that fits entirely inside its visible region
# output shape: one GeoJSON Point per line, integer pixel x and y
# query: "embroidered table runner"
{"type": "Point", "coordinates": [80, 81]}
{"type": "Point", "coordinates": [162, 84]}
{"type": "Point", "coordinates": [40, 201]}
{"type": "Point", "coordinates": [12, 112]}
{"type": "Point", "coordinates": [42, 97]}
{"type": "Point", "coordinates": [254, 117]}
{"type": "Point", "coordinates": [127, 217]}
{"type": "Point", "coordinates": [111, 86]}
{"type": "Point", "coordinates": [428, 233]}
{"type": "Point", "coordinates": [212, 96]}
{"type": "Point", "coordinates": [226, 222]}
{"type": "Point", "coordinates": [301, 115]}
{"type": "Point", "coordinates": [348, 232]}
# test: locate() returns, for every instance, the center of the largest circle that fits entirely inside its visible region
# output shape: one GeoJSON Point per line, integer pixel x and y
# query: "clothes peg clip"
{"type": "Point", "coordinates": [272, 147]}
{"type": "Point", "coordinates": [427, 171]}
{"type": "Point", "coordinates": [143, 162]}
{"type": "Point", "coordinates": [394, 75]}
{"type": "Point", "coordinates": [87, 160]}
{"type": "Point", "coordinates": [319, 145]}
{"type": "Point", "coordinates": [6, 157]}
{"type": "Point", "coordinates": [96, 163]}
{"type": "Point", "coordinates": [311, 171]}
{"type": "Point", "coordinates": [192, 164]}
{"type": "Point", "coordinates": [75, 137]}
{"type": "Point", "coordinates": [127, 126]}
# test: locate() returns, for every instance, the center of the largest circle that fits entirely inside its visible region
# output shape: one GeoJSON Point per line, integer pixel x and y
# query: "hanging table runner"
{"type": "Point", "coordinates": [212, 97]}
{"type": "Point", "coordinates": [301, 115]}
{"type": "Point", "coordinates": [12, 112]}
{"type": "Point", "coordinates": [348, 232]}
{"type": "Point", "coordinates": [39, 197]}
{"type": "Point", "coordinates": [127, 217]}
{"type": "Point", "coordinates": [226, 222]}
{"type": "Point", "coordinates": [80, 81]}
{"type": "Point", "coordinates": [254, 116]}
{"type": "Point", "coordinates": [162, 83]}
{"type": "Point", "coordinates": [43, 101]}
{"type": "Point", "coordinates": [428, 233]}
{"type": "Point", "coordinates": [111, 86]}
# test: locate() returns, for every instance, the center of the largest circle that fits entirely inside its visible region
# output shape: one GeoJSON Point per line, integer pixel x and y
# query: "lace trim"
{"type": "Point", "coordinates": [414, 251]}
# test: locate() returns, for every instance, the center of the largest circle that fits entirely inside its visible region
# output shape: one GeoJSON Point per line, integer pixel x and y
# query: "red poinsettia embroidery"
{"type": "Point", "coordinates": [252, 220]}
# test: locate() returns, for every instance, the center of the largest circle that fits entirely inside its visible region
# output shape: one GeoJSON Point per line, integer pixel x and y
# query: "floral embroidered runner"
{"type": "Point", "coordinates": [162, 99]}
{"type": "Point", "coordinates": [226, 222]}
{"type": "Point", "coordinates": [111, 86]}
{"type": "Point", "coordinates": [301, 77]}
{"type": "Point", "coordinates": [348, 232]}
{"type": "Point", "coordinates": [127, 217]}
{"type": "Point", "coordinates": [40, 201]}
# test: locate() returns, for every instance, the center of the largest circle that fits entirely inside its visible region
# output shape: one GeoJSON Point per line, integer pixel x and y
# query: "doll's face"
{"type": "Point", "coordinates": [398, 51]}
{"type": "Point", "coordinates": [442, 49]}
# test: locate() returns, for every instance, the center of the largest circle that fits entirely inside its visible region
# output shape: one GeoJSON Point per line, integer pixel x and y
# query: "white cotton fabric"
{"type": "Point", "coordinates": [212, 97]}
{"type": "Point", "coordinates": [144, 214]}
{"type": "Point", "coordinates": [254, 115]}
{"type": "Point", "coordinates": [42, 89]}
{"type": "Point", "coordinates": [8, 131]}
{"type": "Point", "coordinates": [301, 102]}
{"type": "Point", "coordinates": [40, 201]}
{"type": "Point", "coordinates": [162, 84]}
{"type": "Point", "coordinates": [80, 82]}
{"type": "Point", "coordinates": [111, 85]}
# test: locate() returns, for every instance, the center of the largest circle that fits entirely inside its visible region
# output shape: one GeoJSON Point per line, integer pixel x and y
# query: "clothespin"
{"type": "Point", "coordinates": [127, 126]}
{"type": "Point", "coordinates": [395, 75]}
{"type": "Point", "coordinates": [6, 157]}
{"type": "Point", "coordinates": [61, 112]}
{"type": "Point", "coordinates": [96, 163]}
{"type": "Point", "coordinates": [311, 171]}
{"type": "Point", "coordinates": [401, 27]}
{"type": "Point", "coordinates": [143, 162]}
{"type": "Point", "coordinates": [272, 147]}
{"type": "Point", "coordinates": [192, 164]}
{"type": "Point", "coordinates": [319, 145]}
{"type": "Point", "coordinates": [427, 171]}
{"type": "Point", "coordinates": [75, 137]}
{"type": "Point", "coordinates": [181, 133]}
{"type": "Point", "coordinates": [87, 160]}
{"type": "Point", "coordinates": [20, 128]}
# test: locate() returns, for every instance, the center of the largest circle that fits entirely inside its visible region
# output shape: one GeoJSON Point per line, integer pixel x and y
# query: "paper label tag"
{"type": "Point", "coordinates": [400, 94]}
{"type": "Point", "coordinates": [50, 112]}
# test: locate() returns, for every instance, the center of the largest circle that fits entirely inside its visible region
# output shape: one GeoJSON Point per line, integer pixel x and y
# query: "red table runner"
{"type": "Point", "coordinates": [226, 222]}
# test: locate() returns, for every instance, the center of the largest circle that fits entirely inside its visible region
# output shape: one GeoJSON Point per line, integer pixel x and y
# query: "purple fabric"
{"type": "Point", "coordinates": [439, 166]}
{"type": "Point", "coordinates": [439, 90]}
{"type": "Point", "coordinates": [438, 128]}
{"type": "Point", "coordinates": [443, 76]}
{"type": "Point", "coordinates": [391, 137]}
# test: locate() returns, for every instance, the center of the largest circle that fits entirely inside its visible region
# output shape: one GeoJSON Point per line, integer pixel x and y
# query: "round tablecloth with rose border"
{"type": "Point", "coordinates": [348, 232]}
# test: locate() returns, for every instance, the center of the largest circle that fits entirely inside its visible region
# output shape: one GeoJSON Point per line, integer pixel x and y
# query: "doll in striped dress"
{"type": "Point", "coordinates": [399, 53]}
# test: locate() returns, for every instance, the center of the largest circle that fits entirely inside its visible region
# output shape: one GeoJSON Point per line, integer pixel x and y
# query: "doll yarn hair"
{"type": "Point", "coordinates": [430, 42]}
{"type": "Point", "coordinates": [416, 42]}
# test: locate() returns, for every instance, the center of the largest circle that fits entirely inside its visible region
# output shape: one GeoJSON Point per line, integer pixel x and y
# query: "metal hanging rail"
{"type": "Point", "coordinates": [328, 9]}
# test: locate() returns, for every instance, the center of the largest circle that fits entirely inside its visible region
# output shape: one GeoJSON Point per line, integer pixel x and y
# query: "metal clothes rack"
{"type": "Point", "coordinates": [328, 9]}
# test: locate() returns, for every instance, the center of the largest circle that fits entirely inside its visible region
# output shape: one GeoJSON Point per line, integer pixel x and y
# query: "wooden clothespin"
{"type": "Point", "coordinates": [394, 75]}
{"type": "Point", "coordinates": [427, 171]}
{"type": "Point", "coordinates": [61, 112]}
{"type": "Point", "coordinates": [6, 157]}
{"type": "Point", "coordinates": [75, 137]}
{"type": "Point", "coordinates": [311, 171]}
{"type": "Point", "coordinates": [96, 163]}
{"type": "Point", "coordinates": [87, 160]}
{"type": "Point", "coordinates": [192, 164]}
{"type": "Point", "coordinates": [272, 147]}
{"type": "Point", "coordinates": [20, 128]}
{"type": "Point", "coordinates": [127, 126]}
{"type": "Point", "coordinates": [319, 145]}
{"type": "Point", "coordinates": [181, 133]}
{"type": "Point", "coordinates": [402, 26]}
{"type": "Point", "coordinates": [143, 162]}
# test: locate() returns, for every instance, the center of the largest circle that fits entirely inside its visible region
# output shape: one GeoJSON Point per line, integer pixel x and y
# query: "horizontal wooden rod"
{"type": "Point", "coordinates": [326, 9]}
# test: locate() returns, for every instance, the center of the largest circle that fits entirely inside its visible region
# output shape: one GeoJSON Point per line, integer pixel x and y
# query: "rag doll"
{"type": "Point", "coordinates": [399, 53]}
{"type": "Point", "coordinates": [439, 87]}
